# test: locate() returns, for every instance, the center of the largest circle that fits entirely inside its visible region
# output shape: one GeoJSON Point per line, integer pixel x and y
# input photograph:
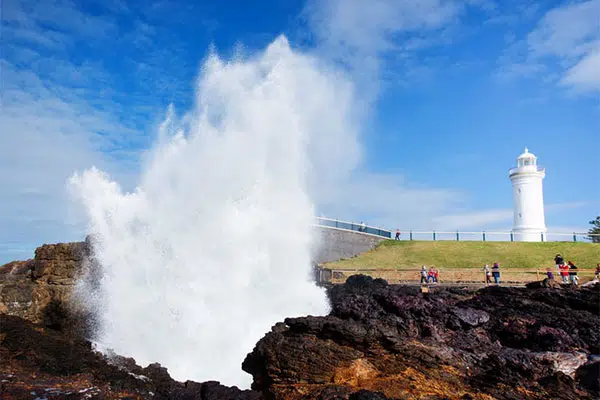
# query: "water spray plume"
{"type": "Point", "coordinates": [214, 245]}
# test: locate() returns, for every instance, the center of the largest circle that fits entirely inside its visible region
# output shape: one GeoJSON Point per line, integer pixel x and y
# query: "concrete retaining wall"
{"type": "Point", "coordinates": [337, 244]}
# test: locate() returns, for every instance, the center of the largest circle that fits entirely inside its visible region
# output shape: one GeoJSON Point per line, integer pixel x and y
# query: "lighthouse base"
{"type": "Point", "coordinates": [529, 235]}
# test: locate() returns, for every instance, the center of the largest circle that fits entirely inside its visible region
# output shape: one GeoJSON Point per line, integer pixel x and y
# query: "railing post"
{"type": "Point", "coordinates": [434, 235]}
{"type": "Point", "coordinates": [457, 236]}
{"type": "Point", "coordinates": [484, 236]}
{"type": "Point", "coordinates": [512, 237]}
{"type": "Point", "coordinates": [336, 223]}
{"type": "Point", "coordinates": [411, 235]}
{"type": "Point", "coordinates": [574, 237]}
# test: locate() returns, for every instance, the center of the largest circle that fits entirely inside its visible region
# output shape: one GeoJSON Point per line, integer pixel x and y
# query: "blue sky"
{"type": "Point", "coordinates": [452, 91]}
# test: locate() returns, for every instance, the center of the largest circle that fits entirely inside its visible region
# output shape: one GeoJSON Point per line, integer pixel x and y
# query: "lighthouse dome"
{"type": "Point", "coordinates": [526, 158]}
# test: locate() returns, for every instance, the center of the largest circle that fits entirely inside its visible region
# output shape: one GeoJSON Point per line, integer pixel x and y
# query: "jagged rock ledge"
{"type": "Point", "coordinates": [496, 343]}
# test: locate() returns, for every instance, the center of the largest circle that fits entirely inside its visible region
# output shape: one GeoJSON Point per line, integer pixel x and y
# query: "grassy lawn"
{"type": "Point", "coordinates": [470, 254]}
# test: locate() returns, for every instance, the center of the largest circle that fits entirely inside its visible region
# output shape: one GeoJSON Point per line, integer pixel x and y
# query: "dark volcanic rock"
{"type": "Point", "coordinates": [385, 341]}
{"type": "Point", "coordinates": [39, 360]}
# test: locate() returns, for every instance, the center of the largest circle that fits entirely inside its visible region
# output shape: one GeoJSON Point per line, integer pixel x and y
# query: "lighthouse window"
{"type": "Point", "coordinates": [526, 162]}
{"type": "Point", "coordinates": [519, 190]}
{"type": "Point", "coordinates": [519, 215]}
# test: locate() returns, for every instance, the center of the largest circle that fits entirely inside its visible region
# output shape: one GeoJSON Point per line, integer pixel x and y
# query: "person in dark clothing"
{"type": "Point", "coordinates": [559, 260]}
{"type": "Point", "coordinates": [549, 274]}
{"type": "Point", "coordinates": [397, 234]}
{"type": "Point", "coordinates": [573, 273]}
{"type": "Point", "coordinates": [496, 273]}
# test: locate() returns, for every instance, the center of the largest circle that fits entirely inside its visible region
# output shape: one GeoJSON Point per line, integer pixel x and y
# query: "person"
{"type": "Point", "coordinates": [597, 272]}
{"type": "Point", "coordinates": [549, 274]}
{"type": "Point", "coordinates": [363, 227]}
{"type": "Point", "coordinates": [436, 275]}
{"type": "Point", "coordinates": [564, 272]}
{"type": "Point", "coordinates": [496, 273]}
{"type": "Point", "coordinates": [573, 273]}
{"type": "Point", "coordinates": [397, 234]}
{"type": "Point", "coordinates": [423, 274]}
{"type": "Point", "coordinates": [488, 274]}
{"type": "Point", "coordinates": [431, 275]}
{"type": "Point", "coordinates": [559, 260]}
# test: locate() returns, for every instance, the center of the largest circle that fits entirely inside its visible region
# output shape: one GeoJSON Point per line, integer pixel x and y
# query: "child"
{"type": "Point", "coordinates": [423, 274]}
{"type": "Point", "coordinates": [431, 275]}
{"type": "Point", "coordinates": [550, 274]}
{"type": "Point", "coordinates": [488, 274]}
{"type": "Point", "coordinates": [564, 272]}
{"type": "Point", "coordinates": [573, 273]}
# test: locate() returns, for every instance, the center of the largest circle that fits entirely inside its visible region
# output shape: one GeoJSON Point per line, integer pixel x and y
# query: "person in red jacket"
{"type": "Point", "coordinates": [564, 272]}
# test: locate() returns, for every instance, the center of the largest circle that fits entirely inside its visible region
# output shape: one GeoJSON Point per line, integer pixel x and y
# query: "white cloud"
{"type": "Point", "coordinates": [369, 37]}
{"type": "Point", "coordinates": [568, 31]}
{"type": "Point", "coordinates": [379, 41]}
{"type": "Point", "coordinates": [44, 139]}
{"type": "Point", "coordinates": [585, 75]}
{"type": "Point", "coordinates": [496, 217]}
{"type": "Point", "coordinates": [472, 220]}
{"type": "Point", "coordinates": [57, 18]}
{"type": "Point", "coordinates": [566, 40]}
{"type": "Point", "coordinates": [61, 114]}
{"type": "Point", "coordinates": [386, 200]}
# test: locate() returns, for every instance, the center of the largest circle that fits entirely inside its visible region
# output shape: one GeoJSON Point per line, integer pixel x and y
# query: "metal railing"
{"type": "Point", "coordinates": [353, 226]}
{"type": "Point", "coordinates": [501, 236]}
{"type": "Point", "coordinates": [526, 168]}
{"type": "Point", "coordinates": [498, 236]}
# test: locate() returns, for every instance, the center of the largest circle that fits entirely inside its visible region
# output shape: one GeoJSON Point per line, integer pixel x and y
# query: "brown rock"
{"type": "Point", "coordinates": [27, 288]}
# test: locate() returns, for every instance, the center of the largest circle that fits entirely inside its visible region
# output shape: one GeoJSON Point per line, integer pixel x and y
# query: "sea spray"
{"type": "Point", "coordinates": [214, 245]}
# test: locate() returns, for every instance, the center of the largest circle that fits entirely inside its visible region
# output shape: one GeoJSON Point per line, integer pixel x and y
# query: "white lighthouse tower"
{"type": "Point", "coordinates": [529, 221]}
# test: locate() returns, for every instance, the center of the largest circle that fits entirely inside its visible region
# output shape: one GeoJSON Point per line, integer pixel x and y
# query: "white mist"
{"type": "Point", "coordinates": [213, 247]}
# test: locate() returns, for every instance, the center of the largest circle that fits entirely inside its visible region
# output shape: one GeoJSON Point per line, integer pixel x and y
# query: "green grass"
{"type": "Point", "coordinates": [469, 254]}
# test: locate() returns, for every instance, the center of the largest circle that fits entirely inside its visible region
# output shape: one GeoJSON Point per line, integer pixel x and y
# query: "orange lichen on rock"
{"type": "Point", "coordinates": [357, 374]}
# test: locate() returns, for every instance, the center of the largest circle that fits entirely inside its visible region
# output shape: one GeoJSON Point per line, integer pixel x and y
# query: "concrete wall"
{"type": "Point", "coordinates": [337, 243]}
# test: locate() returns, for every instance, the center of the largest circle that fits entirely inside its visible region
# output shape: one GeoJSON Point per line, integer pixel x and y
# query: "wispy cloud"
{"type": "Point", "coordinates": [45, 139]}
{"type": "Point", "coordinates": [378, 42]}
{"type": "Point", "coordinates": [473, 220]}
{"type": "Point", "coordinates": [496, 217]}
{"type": "Point", "coordinates": [387, 200]}
{"type": "Point", "coordinates": [564, 46]}
{"type": "Point", "coordinates": [369, 38]}
{"type": "Point", "coordinates": [58, 116]}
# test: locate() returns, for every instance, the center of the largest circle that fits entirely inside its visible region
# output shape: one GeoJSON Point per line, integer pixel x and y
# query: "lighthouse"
{"type": "Point", "coordinates": [529, 222]}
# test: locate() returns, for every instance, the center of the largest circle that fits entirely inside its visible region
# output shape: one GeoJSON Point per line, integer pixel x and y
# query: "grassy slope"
{"type": "Point", "coordinates": [467, 254]}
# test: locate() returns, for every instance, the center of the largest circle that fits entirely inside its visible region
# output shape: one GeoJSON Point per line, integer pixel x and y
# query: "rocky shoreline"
{"type": "Point", "coordinates": [380, 341]}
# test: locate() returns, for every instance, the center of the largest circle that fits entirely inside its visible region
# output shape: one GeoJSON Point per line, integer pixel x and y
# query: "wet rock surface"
{"type": "Point", "coordinates": [379, 342]}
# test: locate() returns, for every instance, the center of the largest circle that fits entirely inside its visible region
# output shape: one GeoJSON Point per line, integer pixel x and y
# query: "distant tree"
{"type": "Point", "coordinates": [595, 230]}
